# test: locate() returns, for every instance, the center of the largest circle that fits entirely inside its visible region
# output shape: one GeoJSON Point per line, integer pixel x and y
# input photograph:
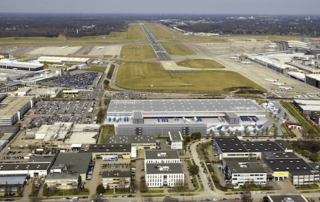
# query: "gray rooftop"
{"type": "Point", "coordinates": [12, 180]}
{"type": "Point", "coordinates": [184, 105]}
{"type": "Point", "coordinates": [281, 197]}
{"type": "Point", "coordinates": [137, 115]}
{"type": "Point", "coordinates": [108, 148]}
{"type": "Point", "coordinates": [116, 173]}
{"type": "Point", "coordinates": [230, 145]}
{"type": "Point", "coordinates": [161, 154]}
{"type": "Point", "coordinates": [279, 155]}
{"type": "Point", "coordinates": [164, 168]}
{"type": "Point", "coordinates": [244, 165]}
{"type": "Point", "coordinates": [261, 146]}
{"type": "Point", "coordinates": [77, 162]}
{"type": "Point", "coordinates": [8, 129]}
{"type": "Point", "coordinates": [293, 166]}
{"type": "Point", "coordinates": [283, 144]}
{"type": "Point", "coordinates": [129, 139]}
{"type": "Point", "coordinates": [63, 175]}
{"type": "Point", "coordinates": [41, 159]}
{"type": "Point", "coordinates": [24, 166]}
{"type": "Point", "coordinates": [161, 125]}
{"type": "Point", "coordinates": [175, 136]}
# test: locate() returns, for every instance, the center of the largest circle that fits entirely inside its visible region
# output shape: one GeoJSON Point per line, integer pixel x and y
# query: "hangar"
{"type": "Point", "coordinates": [158, 117]}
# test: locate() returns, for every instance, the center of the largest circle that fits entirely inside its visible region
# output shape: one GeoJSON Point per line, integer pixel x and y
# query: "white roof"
{"type": "Point", "coordinates": [314, 76]}
{"type": "Point", "coordinates": [60, 59]}
{"type": "Point", "coordinates": [15, 63]}
{"type": "Point", "coordinates": [298, 75]}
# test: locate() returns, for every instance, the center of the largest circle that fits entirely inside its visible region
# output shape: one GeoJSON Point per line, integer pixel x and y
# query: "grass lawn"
{"type": "Point", "coordinates": [69, 192]}
{"type": "Point", "coordinates": [201, 63]}
{"type": "Point", "coordinates": [135, 32]}
{"type": "Point", "coordinates": [106, 130]}
{"type": "Point", "coordinates": [96, 69]}
{"type": "Point", "coordinates": [177, 49]}
{"type": "Point", "coordinates": [307, 187]}
{"type": "Point", "coordinates": [141, 75]}
{"type": "Point", "coordinates": [31, 39]}
{"type": "Point", "coordinates": [111, 36]}
{"type": "Point", "coordinates": [152, 191]}
{"type": "Point", "coordinates": [137, 52]}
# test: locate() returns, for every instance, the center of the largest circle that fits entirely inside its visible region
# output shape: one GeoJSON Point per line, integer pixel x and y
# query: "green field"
{"type": "Point", "coordinates": [177, 49]}
{"type": "Point", "coordinates": [137, 52]}
{"type": "Point", "coordinates": [106, 130]}
{"type": "Point", "coordinates": [201, 63]}
{"type": "Point", "coordinates": [96, 69]}
{"type": "Point", "coordinates": [141, 75]}
{"type": "Point", "coordinates": [135, 32]}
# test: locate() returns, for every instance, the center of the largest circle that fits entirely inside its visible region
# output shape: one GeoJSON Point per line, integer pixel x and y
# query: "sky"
{"type": "Point", "coordinates": [285, 7]}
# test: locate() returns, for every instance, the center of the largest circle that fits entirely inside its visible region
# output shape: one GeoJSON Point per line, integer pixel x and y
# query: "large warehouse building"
{"type": "Point", "coordinates": [12, 63]}
{"type": "Point", "coordinates": [158, 117]}
{"type": "Point", "coordinates": [13, 108]}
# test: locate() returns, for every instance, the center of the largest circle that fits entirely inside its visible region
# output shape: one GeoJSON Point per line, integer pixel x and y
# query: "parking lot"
{"type": "Point", "coordinates": [49, 112]}
{"type": "Point", "coordinates": [84, 80]}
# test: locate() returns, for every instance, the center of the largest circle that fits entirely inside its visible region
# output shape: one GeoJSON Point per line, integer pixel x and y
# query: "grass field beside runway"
{"type": "Point", "coordinates": [137, 52]}
{"type": "Point", "coordinates": [141, 75]}
{"type": "Point", "coordinates": [135, 32]}
{"type": "Point", "coordinates": [201, 63]}
{"type": "Point", "coordinates": [177, 49]}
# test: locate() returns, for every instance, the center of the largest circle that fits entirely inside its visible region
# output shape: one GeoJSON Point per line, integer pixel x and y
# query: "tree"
{"type": "Point", "coordinates": [279, 110]}
{"type": "Point", "coordinates": [221, 133]}
{"type": "Point", "coordinates": [108, 187]}
{"type": "Point", "coordinates": [100, 189]}
{"type": "Point", "coordinates": [246, 196]}
{"type": "Point", "coordinates": [143, 186]}
{"type": "Point", "coordinates": [133, 187]}
{"type": "Point", "coordinates": [195, 136]}
{"type": "Point", "coordinates": [179, 185]}
{"type": "Point", "coordinates": [46, 190]}
{"type": "Point", "coordinates": [6, 189]}
{"type": "Point", "coordinates": [228, 131]}
{"type": "Point", "coordinates": [188, 139]}
{"type": "Point", "coordinates": [19, 189]}
{"type": "Point", "coordinates": [194, 169]}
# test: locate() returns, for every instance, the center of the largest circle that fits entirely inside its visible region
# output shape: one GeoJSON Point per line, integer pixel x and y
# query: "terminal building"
{"type": "Point", "coordinates": [12, 108]}
{"type": "Point", "coordinates": [158, 117]}
{"type": "Point", "coordinates": [68, 60]}
{"type": "Point", "coordinates": [12, 63]}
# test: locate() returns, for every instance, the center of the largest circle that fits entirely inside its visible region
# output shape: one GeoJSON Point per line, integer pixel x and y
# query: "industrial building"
{"type": "Point", "coordinates": [13, 108]}
{"type": "Point", "coordinates": [286, 198]}
{"type": "Point", "coordinates": [241, 170]}
{"type": "Point", "coordinates": [32, 168]}
{"type": "Point", "coordinates": [233, 147]}
{"type": "Point", "coordinates": [307, 106]}
{"type": "Point", "coordinates": [6, 134]}
{"type": "Point", "coordinates": [110, 151]}
{"type": "Point", "coordinates": [116, 179]}
{"type": "Point", "coordinates": [22, 91]}
{"type": "Point", "coordinates": [161, 156]}
{"type": "Point", "coordinates": [138, 141]}
{"type": "Point", "coordinates": [68, 135]}
{"type": "Point", "coordinates": [158, 117]}
{"type": "Point", "coordinates": [68, 60]}
{"type": "Point", "coordinates": [12, 63]}
{"type": "Point", "coordinates": [313, 80]}
{"type": "Point", "coordinates": [69, 170]}
{"type": "Point", "coordinates": [175, 140]}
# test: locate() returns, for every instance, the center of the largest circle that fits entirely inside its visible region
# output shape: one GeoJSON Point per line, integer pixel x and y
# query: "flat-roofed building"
{"type": "Point", "coordinates": [22, 91]}
{"type": "Point", "coordinates": [230, 148]}
{"type": "Point", "coordinates": [68, 135]}
{"type": "Point", "coordinates": [45, 92]}
{"type": "Point", "coordinates": [29, 168]}
{"type": "Point", "coordinates": [161, 156]}
{"type": "Point", "coordinates": [116, 179]}
{"type": "Point", "coordinates": [138, 141]}
{"type": "Point", "coordinates": [286, 198]}
{"type": "Point", "coordinates": [6, 134]}
{"type": "Point", "coordinates": [12, 63]}
{"type": "Point", "coordinates": [69, 170]}
{"type": "Point", "coordinates": [13, 108]}
{"type": "Point", "coordinates": [109, 151]}
{"type": "Point", "coordinates": [242, 170]}
{"type": "Point", "coordinates": [257, 148]}
{"type": "Point", "coordinates": [164, 175]}
{"type": "Point", "coordinates": [69, 60]}
{"type": "Point", "coordinates": [175, 139]}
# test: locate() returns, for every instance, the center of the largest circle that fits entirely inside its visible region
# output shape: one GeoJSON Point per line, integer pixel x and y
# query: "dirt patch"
{"type": "Point", "coordinates": [243, 90]}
